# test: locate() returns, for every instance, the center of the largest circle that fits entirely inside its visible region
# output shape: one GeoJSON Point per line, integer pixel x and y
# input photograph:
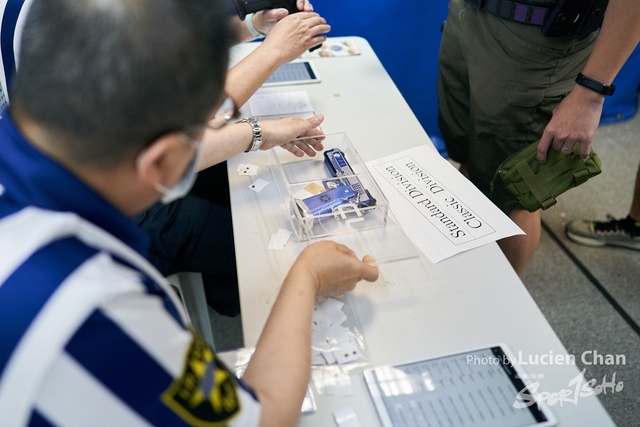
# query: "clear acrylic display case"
{"type": "Point", "coordinates": [314, 202]}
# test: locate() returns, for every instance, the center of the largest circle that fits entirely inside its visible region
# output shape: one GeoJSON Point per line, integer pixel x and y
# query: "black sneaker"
{"type": "Point", "coordinates": [614, 232]}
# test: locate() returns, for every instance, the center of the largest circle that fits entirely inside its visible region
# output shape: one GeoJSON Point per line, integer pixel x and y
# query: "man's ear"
{"type": "Point", "coordinates": [162, 161]}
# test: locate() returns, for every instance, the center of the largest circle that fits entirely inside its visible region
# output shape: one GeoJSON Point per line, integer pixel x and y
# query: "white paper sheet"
{"type": "Point", "coordinates": [280, 104]}
{"type": "Point", "coordinates": [279, 240]}
{"type": "Point", "coordinates": [346, 417]}
{"type": "Point", "coordinates": [441, 211]}
{"type": "Point", "coordinates": [247, 169]}
{"type": "Point", "coordinates": [258, 185]}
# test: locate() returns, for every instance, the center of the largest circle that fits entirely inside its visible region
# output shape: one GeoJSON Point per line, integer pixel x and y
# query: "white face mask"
{"type": "Point", "coordinates": [183, 186]}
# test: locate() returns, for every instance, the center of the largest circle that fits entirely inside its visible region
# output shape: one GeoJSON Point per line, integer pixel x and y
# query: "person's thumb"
{"type": "Point", "coordinates": [370, 269]}
{"type": "Point", "coordinates": [312, 122]}
{"type": "Point", "coordinates": [273, 15]}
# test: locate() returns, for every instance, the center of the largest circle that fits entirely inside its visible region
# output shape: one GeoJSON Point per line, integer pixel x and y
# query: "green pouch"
{"type": "Point", "coordinates": [537, 185]}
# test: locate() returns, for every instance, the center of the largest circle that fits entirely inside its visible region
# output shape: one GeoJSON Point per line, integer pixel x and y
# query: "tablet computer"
{"type": "Point", "coordinates": [292, 73]}
{"type": "Point", "coordinates": [476, 388]}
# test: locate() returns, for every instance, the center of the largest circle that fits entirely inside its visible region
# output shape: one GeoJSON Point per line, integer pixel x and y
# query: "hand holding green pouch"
{"type": "Point", "coordinates": [537, 185]}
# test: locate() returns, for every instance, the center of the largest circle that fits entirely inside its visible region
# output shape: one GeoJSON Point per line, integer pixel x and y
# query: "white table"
{"type": "Point", "coordinates": [418, 309]}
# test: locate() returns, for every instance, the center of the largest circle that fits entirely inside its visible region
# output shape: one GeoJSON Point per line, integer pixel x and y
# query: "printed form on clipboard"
{"type": "Point", "coordinates": [277, 105]}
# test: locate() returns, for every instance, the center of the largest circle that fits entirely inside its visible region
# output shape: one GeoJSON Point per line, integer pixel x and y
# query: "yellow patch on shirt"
{"type": "Point", "coordinates": [206, 394]}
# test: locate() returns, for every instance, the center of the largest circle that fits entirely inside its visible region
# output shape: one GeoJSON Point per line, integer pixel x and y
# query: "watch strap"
{"type": "Point", "coordinates": [256, 130]}
{"type": "Point", "coordinates": [248, 22]}
{"type": "Point", "coordinates": [595, 85]}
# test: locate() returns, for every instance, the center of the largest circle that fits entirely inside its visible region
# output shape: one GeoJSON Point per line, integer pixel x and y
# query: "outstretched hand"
{"type": "Point", "coordinates": [285, 133]}
{"type": "Point", "coordinates": [334, 268]}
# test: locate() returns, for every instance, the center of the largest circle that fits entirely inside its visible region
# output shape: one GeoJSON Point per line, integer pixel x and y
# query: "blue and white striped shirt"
{"type": "Point", "coordinates": [14, 14]}
{"type": "Point", "coordinates": [90, 333]}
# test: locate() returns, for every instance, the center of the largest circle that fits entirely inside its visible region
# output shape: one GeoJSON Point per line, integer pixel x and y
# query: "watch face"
{"type": "Point", "coordinates": [584, 81]}
{"type": "Point", "coordinates": [595, 85]}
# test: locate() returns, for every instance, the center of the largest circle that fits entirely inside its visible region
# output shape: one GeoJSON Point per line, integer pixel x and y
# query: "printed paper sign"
{"type": "Point", "coordinates": [434, 201]}
{"type": "Point", "coordinates": [438, 208]}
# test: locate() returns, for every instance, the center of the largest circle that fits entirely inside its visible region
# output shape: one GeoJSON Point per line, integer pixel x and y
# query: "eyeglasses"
{"type": "Point", "coordinates": [193, 133]}
{"type": "Point", "coordinates": [225, 114]}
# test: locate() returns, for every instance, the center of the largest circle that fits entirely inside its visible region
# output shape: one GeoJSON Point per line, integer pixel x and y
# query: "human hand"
{"type": "Point", "coordinates": [334, 268]}
{"type": "Point", "coordinates": [295, 34]}
{"type": "Point", "coordinates": [575, 120]}
{"type": "Point", "coordinates": [283, 132]}
{"type": "Point", "coordinates": [264, 20]}
{"type": "Point", "coordinates": [304, 5]}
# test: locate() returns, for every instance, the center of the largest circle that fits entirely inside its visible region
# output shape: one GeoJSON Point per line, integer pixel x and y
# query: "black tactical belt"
{"type": "Point", "coordinates": [514, 11]}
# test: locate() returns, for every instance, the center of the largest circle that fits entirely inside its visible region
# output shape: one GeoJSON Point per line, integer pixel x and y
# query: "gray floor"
{"type": "Point", "coordinates": [589, 295]}
{"type": "Point", "coordinates": [227, 331]}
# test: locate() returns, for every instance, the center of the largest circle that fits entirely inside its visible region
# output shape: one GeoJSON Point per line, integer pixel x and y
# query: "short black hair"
{"type": "Point", "coordinates": [107, 77]}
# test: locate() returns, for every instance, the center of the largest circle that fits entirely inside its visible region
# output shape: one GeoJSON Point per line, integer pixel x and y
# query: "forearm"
{"type": "Point", "coordinates": [576, 119]}
{"type": "Point", "coordinates": [279, 368]}
{"type": "Point", "coordinates": [245, 78]}
{"type": "Point", "coordinates": [221, 145]}
{"type": "Point", "coordinates": [241, 29]}
{"type": "Point", "coordinates": [619, 35]}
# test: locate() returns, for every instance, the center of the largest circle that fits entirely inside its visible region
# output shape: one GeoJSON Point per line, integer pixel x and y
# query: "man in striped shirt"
{"type": "Point", "coordinates": [107, 115]}
{"type": "Point", "coordinates": [195, 233]}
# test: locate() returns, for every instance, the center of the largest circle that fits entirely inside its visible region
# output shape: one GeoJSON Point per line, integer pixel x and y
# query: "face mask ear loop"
{"type": "Point", "coordinates": [161, 188]}
{"type": "Point", "coordinates": [190, 141]}
{"type": "Point", "coordinates": [183, 186]}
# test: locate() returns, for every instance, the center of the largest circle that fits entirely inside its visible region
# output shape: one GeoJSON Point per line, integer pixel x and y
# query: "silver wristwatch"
{"type": "Point", "coordinates": [256, 142]}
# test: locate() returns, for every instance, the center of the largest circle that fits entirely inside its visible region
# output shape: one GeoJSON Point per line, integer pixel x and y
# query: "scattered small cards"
{"type": "Point", "coordinates": [302, 194]}
{"type": "Point", "coordinates": [279, 240]}
{"type": "Point", "coordinates": [332, 48]}
{"type": "Point", "coordinates": [309, 190]}
{"type": "Point", "coordinates": [305, 192]}
{"type": "Point", "coordinates": [332, 381]}
{"type": "Point", "coordinates": [247, 169]}
{"type": "Point", "coordinates": [314, 188]}
{"type": "Point", "coordinates": [346, 417]}
{"type": "Point", "coordinates": [258, 185]}
{"type": "Point", "coordinates": [337, 384]}
{"type": "Point", "coordinates": [332, 343]}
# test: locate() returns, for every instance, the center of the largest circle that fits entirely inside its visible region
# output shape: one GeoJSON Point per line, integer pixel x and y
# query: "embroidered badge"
{"type": "Point", "coordinates": [205, 395]}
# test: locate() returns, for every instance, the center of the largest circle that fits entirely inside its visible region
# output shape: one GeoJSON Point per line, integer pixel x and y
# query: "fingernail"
{"type": "Point", "coordinates": [319, 117]}
{"type": "Point", "coordinates": [372, 262]}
